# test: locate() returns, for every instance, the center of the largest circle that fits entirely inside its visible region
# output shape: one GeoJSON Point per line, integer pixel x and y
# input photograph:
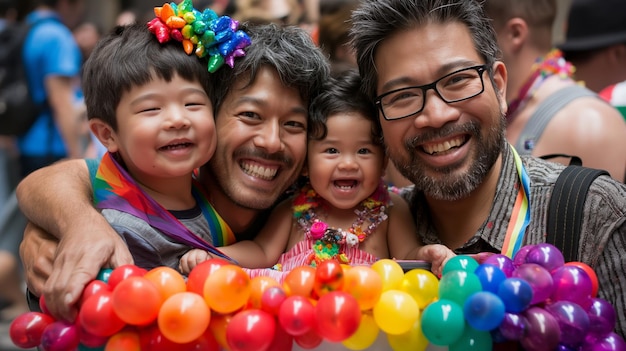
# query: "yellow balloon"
{"type": "Point", "coordinates": [413, 340]}
{"type": "Point", "coordinates": [422, 285]}
{"type": "Point", "coordinates": [395, 312]}
{"type": "Point", "coordinates": [365, 336]}
{"type": "Point", "coordinates": [390, 272]}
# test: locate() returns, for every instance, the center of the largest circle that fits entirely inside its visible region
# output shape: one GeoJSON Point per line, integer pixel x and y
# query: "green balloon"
{"type": "Point", "coordinates": [443, 322]}
{"type": "Point", "coordinates": [104, 274]}
{"type": "Point", "coordinates": [460, 263]}
{"type": "Point", "coordinates": [472, 340]}
{"type": "Point", "coordinates": [458, 285]}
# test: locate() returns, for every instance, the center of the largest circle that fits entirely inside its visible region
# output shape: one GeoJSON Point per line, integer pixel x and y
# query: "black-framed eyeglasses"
{"type": "Point", "coordinates": [460, 85]}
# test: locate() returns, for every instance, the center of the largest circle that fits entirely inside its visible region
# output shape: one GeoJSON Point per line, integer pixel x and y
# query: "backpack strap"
{"type": "Point", "coordinates": [543, 115]}
{"type": "Point", "coordinates": [565, 211]}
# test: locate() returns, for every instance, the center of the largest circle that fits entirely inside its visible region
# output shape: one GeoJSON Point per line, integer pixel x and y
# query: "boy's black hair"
{"type": "Point", "coordinates": [132, 56]}
{"type": "Point", "coordinates": [342, 94]}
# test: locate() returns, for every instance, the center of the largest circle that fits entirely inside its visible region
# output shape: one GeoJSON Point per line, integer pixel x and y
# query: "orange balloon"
{"type": "Point", "coordinates": [136, 301]}
{"type": "Point", "coordinates": [184, 317]}
{"type": "Point", "coordinates": [227, 289]}
{"type": "Point", "coordinates": [300, 281]}
{"type": "Point", "coordinates": [126, 340]}
{"type": "Point", "coordinates": [257, 286]}
{"type": "Point", "coordinates": [365, 284]}
{"type": "Point", "coordinates": [167, 280]}
{"type": "Point", "coordinates": [218, 325]}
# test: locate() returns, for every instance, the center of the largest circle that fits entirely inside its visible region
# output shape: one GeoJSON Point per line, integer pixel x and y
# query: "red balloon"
{"type": "Point", "coordinates": [151, 338]}
{"type": "Point", "coordinates": [199, 274]}
{"type": "Point", "coordinates": [338, 316]}
{"type": "Point", "coordinates": [328, 277]}
{"type": "Point", "coordinates": [272, 298]}
{"type": "Point", "coordinates": [282, 340]}
{"type": "Point", "coordinates": [308, 340]}
{"type": "Point", "coordinates": [97, 316]}
{"type": "Point", "coordinates": [122, 272]}
{"type": "Point", "coordinates": [251, 330]}
{"type": "Point", "coordinates": [26, 330]}
{"type": "Point", "coordinates": [136, 300]}
{"type": "Point", "coordinates": [297, 315]}
{"type": "Point", "coordinates": [94, 287]}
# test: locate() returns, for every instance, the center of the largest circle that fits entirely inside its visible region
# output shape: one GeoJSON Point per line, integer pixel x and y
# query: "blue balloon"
{"type": "Point", "coordinates": [484, 311]}
{"type": "Point", "coordinates": [490, 277]}
{"type": "Point", "coordinates": [516, 294]}
{"type": "Point", "coordinates": [104, 274]}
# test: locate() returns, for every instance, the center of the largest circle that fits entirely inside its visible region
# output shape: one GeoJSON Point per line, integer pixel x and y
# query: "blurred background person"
{"type": "Point", "coordinates": [548, 111]}
{"type": "Point", "coordinates": [595, 42]}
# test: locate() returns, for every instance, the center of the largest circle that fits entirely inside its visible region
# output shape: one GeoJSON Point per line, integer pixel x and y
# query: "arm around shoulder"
{"type": "Point", "coordinates": [55, 196]}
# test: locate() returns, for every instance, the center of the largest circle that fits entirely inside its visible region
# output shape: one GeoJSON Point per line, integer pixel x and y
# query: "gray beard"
{"type": "Point", "coordinates": [450, 187]}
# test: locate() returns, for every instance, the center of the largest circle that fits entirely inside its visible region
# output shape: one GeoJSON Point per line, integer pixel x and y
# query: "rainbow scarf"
{"type": "Point", "coordinates": [520, 216]}
{"type": "Point", "coordinates": [115, 189]}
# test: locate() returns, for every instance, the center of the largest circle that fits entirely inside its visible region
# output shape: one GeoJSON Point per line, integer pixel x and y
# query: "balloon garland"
{"type": "Point", "coordinates": [534, 299]}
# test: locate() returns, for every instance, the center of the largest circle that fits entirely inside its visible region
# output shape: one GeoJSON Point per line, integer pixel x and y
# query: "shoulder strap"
{"type": "Point", "coordinates": [565, 211]}
{"type": "Point", "coordinates": [543, 115]}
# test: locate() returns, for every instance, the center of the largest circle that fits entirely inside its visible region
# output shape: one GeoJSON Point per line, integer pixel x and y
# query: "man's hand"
{"type": "Point", "coordinates": [37, 253]}
{"type": "Point", "coordinates": [78, 259]}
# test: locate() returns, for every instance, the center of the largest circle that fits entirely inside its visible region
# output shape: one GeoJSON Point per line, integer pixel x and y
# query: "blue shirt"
{"type": "Point", "coordinates": [49, 49]}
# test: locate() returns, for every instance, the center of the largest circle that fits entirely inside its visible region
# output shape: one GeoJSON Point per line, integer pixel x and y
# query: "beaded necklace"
{"type": "Point", "coordinates": [327, 240]}
{"type": "Point", "coordinates": [550, 64]}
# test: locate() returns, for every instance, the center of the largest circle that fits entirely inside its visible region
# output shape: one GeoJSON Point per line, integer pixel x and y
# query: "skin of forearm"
{"type": "Point", "coordinates": [56, 196]}
{"type": "Point", "coordinates": [248, 254]}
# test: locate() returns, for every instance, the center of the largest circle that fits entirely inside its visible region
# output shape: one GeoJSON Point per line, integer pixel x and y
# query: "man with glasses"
{"type": "Point", "coordinates": [433, 68]}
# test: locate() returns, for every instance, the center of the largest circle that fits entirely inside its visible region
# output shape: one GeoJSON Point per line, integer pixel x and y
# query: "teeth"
{"type": "Point", "coordinates": [445, 146]}
{"type": "Point", "coordinates": [259, 171]}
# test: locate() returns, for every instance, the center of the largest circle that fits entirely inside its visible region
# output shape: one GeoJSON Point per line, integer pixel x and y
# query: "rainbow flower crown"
{"type": "Point", "coordinates": [203, 33]}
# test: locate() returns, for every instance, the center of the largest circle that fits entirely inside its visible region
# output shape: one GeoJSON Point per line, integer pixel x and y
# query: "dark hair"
{"type": "Point", "coordinates": [538, 14]}
{"type": "Point", "coordinates": [130, 56]}
{"type": "Point", "coordinates": [374, 21]}
{"type": "Point", "coordinates": [287, 49]}
{"type": "Point", "coordinates": [342, 94]}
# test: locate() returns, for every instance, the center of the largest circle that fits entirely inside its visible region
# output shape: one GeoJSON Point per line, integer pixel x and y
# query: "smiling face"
{"type": "Point", "coordinates": [262, 142]}
{"type": "Point", "coordinates": [346, 166]}
{"type": "Point", "coordinates": [164, 129]}
{"type": "Point", "coordinates": [448, 148]}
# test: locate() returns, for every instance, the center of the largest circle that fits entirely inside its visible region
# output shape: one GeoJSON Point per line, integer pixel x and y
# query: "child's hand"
{"type": "Point", "coordinates": [191, 259]}
{"type": "Point", "coordinates": [437, 255]}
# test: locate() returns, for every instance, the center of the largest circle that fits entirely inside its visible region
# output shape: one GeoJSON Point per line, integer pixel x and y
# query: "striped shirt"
{"type": "Point", "coordinates": [603, 233]}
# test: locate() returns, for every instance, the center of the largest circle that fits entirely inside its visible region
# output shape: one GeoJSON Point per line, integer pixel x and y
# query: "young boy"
{"type": "Point", "coordinates": [148, 103]}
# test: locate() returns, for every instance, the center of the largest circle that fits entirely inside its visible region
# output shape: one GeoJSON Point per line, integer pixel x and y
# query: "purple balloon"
{"type": "Point", "coordinates": [565, 348]}
{"type": "Point", "coordinates": [520, 257]}
{"type": "Point", "coordinates": [573, 322]}
{"type": "Point", "coordinates": [543, 332]}
{"type": "Point", "coordinates": [539, 279]}
{"type": "Point", "coordinates": [601, 318]}
{"type": "Point", "coordinates": [60, 336]}
{"type": "Point", "coordinates": [546, 255]}
{"type": "Point", "coordinates": [571, 283]}
{"type": "Point", "coordinates": [513, 326]}
{"type": "Point", "coordinates": [611, 342]}
{"type": "Point", "coordinates": [503, 262]}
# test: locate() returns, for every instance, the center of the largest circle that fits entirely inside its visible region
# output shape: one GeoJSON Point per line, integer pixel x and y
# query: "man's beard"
{"type": "Point", "coordinates": [448, 186]}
